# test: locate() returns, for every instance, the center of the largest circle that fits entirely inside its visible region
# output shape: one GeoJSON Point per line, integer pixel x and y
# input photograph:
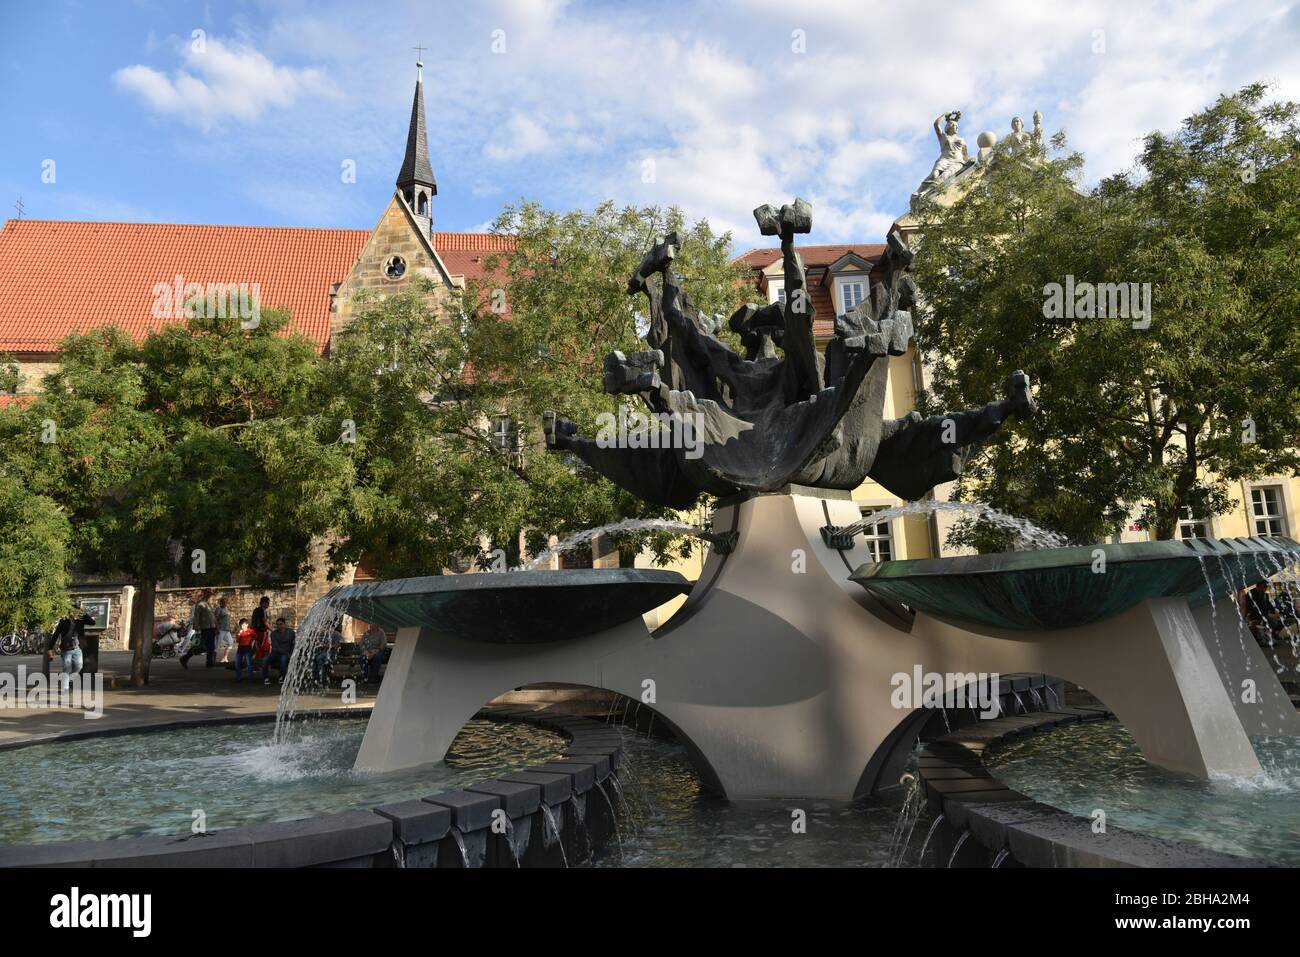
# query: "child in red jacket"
{"type": "Point", "coordinates": [245, 644]}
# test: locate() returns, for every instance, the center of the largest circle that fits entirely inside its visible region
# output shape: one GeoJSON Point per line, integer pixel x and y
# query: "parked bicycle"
{"type": "Point", "coordinates": [25, 641]}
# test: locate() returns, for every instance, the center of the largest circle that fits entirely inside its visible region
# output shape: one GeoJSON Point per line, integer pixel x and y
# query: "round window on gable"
{"type": "Point", "coordinates": [395, 267]}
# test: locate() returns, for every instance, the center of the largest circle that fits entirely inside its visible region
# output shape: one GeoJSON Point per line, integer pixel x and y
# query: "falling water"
{"type": "Point", "coordinates": [957, 847]}
{"type": "Point", "coordinates": [908, 815]}
{"type": "Point", "coordinates": [926, 843]}
{"type": "Point", "coordinates": [511, 841]}
{"type": "Point", "coordinates": [627, 525]}
{"type": "Point", "coordinates": [613, 816]}
{"type": "Point", "coordinates": [624, 803]}
{"type": "Point", "coordinates": [320, 622]}
{"type": "Point", "coordinates": [1027, 533]}
{"type": "Point", "coordinates": [579, 803]}
{"type": "Point", "coordinates": [1001, 856]}
{"type": "Point", "coordinates": [460, 843]}
{"type": "Point", "coordinates": [555, 829]}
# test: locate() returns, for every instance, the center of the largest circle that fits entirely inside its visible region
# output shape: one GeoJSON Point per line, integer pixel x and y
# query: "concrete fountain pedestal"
{"type": "Point", "coordinates": [781, 674]}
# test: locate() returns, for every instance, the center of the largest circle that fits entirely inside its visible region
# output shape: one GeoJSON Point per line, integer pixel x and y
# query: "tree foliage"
{"type": "Point", "coordinates": [35, 546]}
{"type": "Point", "coordinates": [1164, 417]}
{"type": "Point", "coordinates": [198, 454]}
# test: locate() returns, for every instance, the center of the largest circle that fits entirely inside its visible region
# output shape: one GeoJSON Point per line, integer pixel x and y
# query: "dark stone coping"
{"type": "Point", "coordinates": [363, 837]}
{"type": "Point", "coordinates": [958, 784]}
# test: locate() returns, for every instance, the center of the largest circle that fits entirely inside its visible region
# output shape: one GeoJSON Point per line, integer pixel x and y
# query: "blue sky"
{"type": "Point", "coordinates": [736, 104]}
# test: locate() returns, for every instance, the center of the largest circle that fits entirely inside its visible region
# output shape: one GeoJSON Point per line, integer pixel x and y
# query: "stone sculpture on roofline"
{"type": "Point", "coordinates": [769, 420]}
{"type": "Point", "coordinates": [954, 162]}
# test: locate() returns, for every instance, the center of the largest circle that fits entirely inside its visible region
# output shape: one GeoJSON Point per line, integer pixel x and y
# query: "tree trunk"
{"type": "Point", "coordinates": [142, 632]}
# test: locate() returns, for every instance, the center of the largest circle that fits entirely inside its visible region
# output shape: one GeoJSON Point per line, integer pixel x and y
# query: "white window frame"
{"type": "Point", "coordinates": [843, 284]}
{"type": "Point", "coordinates": [873, 538]}
{"type": "Point", "coordinates": [1200, 528]}
{"type": "Point", "coordinates": [1270, 519]}
{"type": "Point", "coordinates": [776, 290]}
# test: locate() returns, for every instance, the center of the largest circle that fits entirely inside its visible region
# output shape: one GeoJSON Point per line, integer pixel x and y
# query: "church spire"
{"type": "Point", "coordinates": [415, 181]}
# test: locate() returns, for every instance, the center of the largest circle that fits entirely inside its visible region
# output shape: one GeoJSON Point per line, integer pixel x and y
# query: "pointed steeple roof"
{"type": "Point", "coordinates": [416, 170]}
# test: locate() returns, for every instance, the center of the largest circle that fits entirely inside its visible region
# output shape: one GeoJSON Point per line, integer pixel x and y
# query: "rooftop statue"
{"type": "Point", "coordinates": [783, 413]}
{"type": "Point", "coordinates": [953, 155]}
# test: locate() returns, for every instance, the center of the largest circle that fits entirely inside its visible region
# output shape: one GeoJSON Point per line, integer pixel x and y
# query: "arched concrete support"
{"type": "Point", "coordinates": [1150, 665]}
{"type": "Point", "coordinates": [781, 672]}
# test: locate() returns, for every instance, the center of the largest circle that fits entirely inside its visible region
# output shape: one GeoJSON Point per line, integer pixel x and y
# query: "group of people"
{"type": "Point", "coordinates": [259, 647]}
{"type": "Point", "coordinates": [1271, 617]}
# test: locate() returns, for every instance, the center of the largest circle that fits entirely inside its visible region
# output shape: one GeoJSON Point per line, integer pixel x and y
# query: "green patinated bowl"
{"type": "Point", "coordinates": [520, 607]}
{"type": "Point", "coordinates": [1050, 588]}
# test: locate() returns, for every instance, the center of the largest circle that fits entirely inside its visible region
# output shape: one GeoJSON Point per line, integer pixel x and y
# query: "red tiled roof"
{"type": "Point", "coordinates": [813, 255]}
{"type": "Point", "coordinates": [58, 277]}
{"type": "Point", "coordinates": [472, 243]}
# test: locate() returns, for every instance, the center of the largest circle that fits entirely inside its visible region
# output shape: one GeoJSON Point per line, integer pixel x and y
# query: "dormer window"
{"type": "Point", "coordinates": [776, 289]}
{"type": "Point", "coordinates": [852, 292]}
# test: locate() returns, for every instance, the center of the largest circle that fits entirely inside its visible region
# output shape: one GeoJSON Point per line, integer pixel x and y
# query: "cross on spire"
{"type": "Point", "coordinates": [419, 52]}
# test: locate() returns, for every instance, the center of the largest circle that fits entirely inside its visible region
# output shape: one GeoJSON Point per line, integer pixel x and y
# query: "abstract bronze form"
{"type": "Point", "coordinates": [783, 413]}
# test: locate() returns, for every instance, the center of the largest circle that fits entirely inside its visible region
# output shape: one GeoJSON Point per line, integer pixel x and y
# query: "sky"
{"type": "Point", "coordinates": [253, 113]}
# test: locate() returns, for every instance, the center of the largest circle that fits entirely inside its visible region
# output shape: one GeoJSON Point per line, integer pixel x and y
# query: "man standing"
{"type": "Point", "coordinates": [262, 626]}
{"type": "Point", "coordinates": [225, 636]}
{"type": "Point", "coordinates": [66, 642]}
{"type": "Point", "coordinates": [204, 621]}
{"type": "Point", "coordinates": [282, 640]}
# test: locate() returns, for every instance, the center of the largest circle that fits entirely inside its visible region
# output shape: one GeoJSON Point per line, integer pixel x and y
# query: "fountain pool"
{"type": "Point", "coordinates": [670, 821]}
{"type": "Point", "coordinates": [96, 788]}
{"type": "Point", "coordinates": [1083, 767]}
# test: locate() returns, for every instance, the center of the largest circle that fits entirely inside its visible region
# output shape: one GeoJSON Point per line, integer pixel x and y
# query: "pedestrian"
{"type": "Point", "coordinates": [1262, 614]}
{"type": "Point", "coordinates": [282, 640]}
{"type": "Point", "coordinates": [225, 637]}
{"type": "Point", "coordinates": [204, 621]}
{"type": "Point", "coordinates": [246, 644]}
{"type": "Point", "coordinates": [373, 645]}
{"type": "Point", "coordinates": [260, 623]}
{"type": "Point", "coordinates": [66, 642]}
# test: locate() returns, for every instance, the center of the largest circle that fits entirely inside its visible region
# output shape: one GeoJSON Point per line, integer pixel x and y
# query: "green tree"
{"type": "Point", "coordinates": [198, 454]}
{"type": "Point", "coordinates": [34, 557]}
{"type": "Point", "coordinates": [1162, 415]}
{"type": "Point", "coordinates": [428, 378]}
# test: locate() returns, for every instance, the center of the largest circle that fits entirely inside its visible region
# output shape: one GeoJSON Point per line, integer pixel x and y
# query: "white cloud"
{"type": "Point", "coordinates": [715, 95]}
{"type": "Point", "coordinates": [220, 82]}
{"type": "Point", "coordinates": [522, 136]}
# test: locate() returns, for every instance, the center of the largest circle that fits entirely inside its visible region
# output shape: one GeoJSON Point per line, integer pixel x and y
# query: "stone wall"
{"type": "Point", "coordinates": [241, 600]}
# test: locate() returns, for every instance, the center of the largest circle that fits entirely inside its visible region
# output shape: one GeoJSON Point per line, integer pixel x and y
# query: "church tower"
{"type": "Point", "coordinates": [415, 181]}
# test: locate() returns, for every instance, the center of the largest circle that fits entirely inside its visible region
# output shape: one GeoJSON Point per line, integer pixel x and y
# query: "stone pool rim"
{"type": "Point", "coordinates": [957, 782]}
{"type": "Point", "coordinates": [429, 829]}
